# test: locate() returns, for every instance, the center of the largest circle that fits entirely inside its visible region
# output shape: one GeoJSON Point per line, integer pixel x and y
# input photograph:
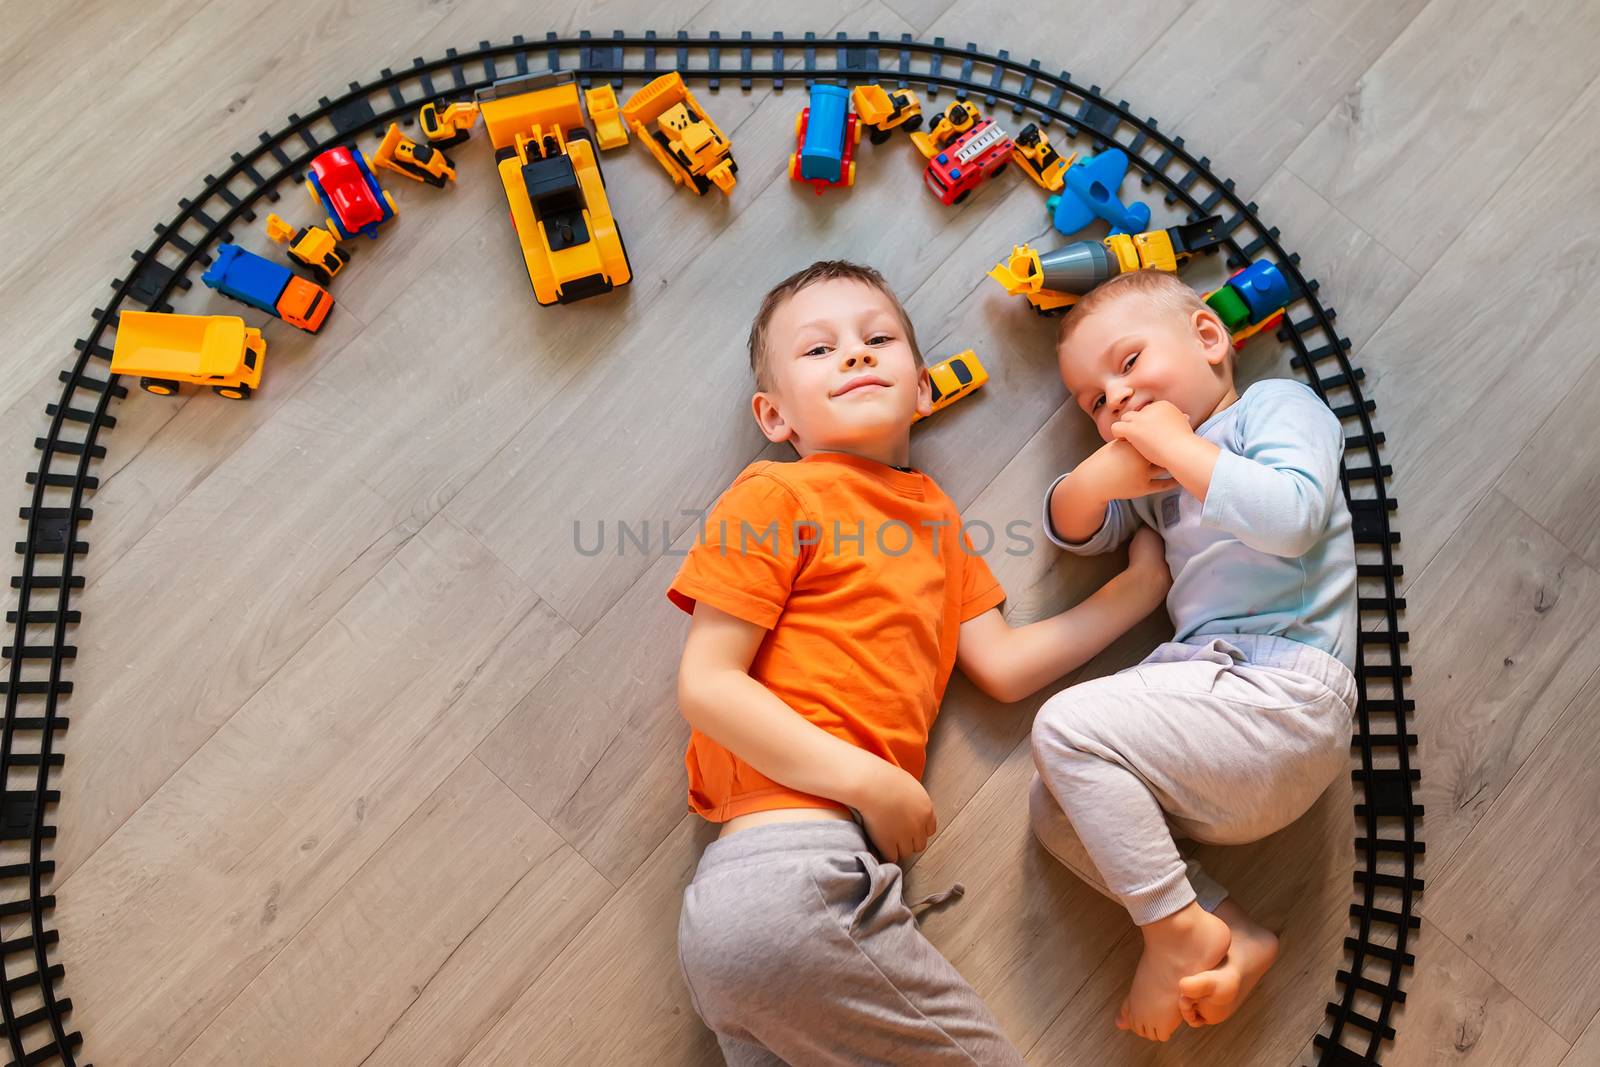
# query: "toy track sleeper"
{"type": "Point", "coordinates": [1358, 1020]}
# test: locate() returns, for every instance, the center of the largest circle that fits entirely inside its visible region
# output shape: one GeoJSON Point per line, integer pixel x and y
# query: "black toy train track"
{"type": "Point", "coordinates": [1358, 1021]}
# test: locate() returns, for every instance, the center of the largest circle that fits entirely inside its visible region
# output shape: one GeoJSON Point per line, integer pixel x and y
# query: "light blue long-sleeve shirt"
{"type": "Point", "coordinates": [1269, 551]}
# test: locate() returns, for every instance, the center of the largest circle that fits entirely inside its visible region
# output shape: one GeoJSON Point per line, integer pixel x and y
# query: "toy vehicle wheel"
{"type": "Point", "coordinates": [794, 166]}
{"type": "Point", "coordinates": [877, 136]}
{"type": "Point", "coordinates": [232, 392]}
{"type": "Point", "coordinates": [387, 199]}
{"type": "Point", "coordinates": [850, 178]}
{"type": "Point", "coordinates": [912, 124]}
{"type": "Point", "coordinates": [508, 152]}
{"type": "Point", "coordinates": [799, 123]}
{"type": "Point", "coordinates": [1001, 169]}
{"type": "Point", "coordinates": [960, 199]}
{"type": "Point", "coordinates": [159, 386]}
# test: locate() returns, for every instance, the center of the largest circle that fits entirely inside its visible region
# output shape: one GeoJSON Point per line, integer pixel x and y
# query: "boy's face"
{"type": "Point", "coordinates": [844, 377]}
{"type": "Point", "coordinates": [1132, 351]}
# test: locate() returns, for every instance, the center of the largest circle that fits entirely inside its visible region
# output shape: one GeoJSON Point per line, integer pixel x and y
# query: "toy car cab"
{"type": "Point", "coordinates": [164, 350]}
{"type": "Point", "coordinates": [344, 187]}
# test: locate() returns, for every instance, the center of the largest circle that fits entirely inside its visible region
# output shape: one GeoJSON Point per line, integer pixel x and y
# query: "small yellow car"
{"type": "Point", "coordinates": [164, 350]}
{"type": "Point", "coordinates": [955, 378]}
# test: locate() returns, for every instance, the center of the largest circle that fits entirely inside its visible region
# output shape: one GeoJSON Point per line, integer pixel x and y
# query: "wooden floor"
{"type": "Point", "coordinates": [369, 764]}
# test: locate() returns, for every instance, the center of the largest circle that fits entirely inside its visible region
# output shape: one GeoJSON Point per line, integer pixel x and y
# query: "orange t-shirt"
{"type": "Point", "coordinates": [863, 576]}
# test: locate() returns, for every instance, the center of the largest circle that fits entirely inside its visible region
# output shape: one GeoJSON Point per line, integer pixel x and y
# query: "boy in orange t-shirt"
{"type": "Point", "coordinates": [831, 597]}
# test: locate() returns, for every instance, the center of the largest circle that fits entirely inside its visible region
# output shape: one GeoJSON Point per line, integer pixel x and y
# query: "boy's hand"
{"type": "Point", "coordinates": [1155, 430]}
{"type": "Point", "coordinates": [1117, 471]}
{"type": "Point", "coordinates": [1147, 559]}
{"type": "Point", "coordinates": [897, 812]}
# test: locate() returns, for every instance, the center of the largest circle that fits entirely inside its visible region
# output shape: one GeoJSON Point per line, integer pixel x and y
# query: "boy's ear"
{"type": "Point", "coordinates": [1213, 336]}
{"type": "Point", "coordinates": [770, 419]}
{"type": "Point", "coordinates": [924, 392]}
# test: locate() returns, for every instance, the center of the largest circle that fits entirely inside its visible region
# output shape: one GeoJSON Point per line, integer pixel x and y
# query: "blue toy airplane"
{"type": "Point", "coordinates": [1091, 193]}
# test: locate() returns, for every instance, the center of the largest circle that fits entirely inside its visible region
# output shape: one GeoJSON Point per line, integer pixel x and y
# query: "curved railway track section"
{"type": "Point", "coordinates": [33, 1011]}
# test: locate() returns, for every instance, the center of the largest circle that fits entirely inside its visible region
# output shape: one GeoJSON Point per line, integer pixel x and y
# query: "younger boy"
{"type": "Point", "coordinates": [831, 597]}
{"type": "Point", "coordinates": [1234, 728]}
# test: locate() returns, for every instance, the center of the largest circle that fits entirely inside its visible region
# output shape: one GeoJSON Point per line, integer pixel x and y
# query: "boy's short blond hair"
{"type": "Point", "coordinates": [821, 271]}
{"type": "Point", "coordinates": [1165, 292]}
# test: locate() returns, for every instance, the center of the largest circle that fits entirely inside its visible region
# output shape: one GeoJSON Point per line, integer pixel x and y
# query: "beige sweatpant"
{"type": "Point", "coordinates": [1221, 740]}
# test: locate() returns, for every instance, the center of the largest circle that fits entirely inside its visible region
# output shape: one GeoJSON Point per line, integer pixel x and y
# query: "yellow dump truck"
{"type": "Point", "coordinates": [164, 350]}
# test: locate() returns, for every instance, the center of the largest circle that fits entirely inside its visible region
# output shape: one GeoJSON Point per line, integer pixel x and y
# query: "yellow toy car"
{"type": "Point", "coordinates": [881, 110]}
{"type": "Point", "coordinates": [609, 129]}
{"type": "Point", "coordinates": [955, 378]}
{"type": "Point", "coordinates": [165, 350]}
{"type": "Point", "coordinates": [448, 127]}
{"type": "Point", "coordinates": [313, 247]}
{"type": "Point", "coordinates": [419, 162]}
{"type": "Point", "coordinates": [551, 174]}
{"type": "Point", "coordinates": [682, 137]}
{"type": "Point", "coordinates": [1039, 160]}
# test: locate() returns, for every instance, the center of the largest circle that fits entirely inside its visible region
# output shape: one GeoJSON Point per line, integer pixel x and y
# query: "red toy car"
{"type": "Point", "coordinates": [981, 152]}
{"type": "Point", "coordinates": [345, 188]}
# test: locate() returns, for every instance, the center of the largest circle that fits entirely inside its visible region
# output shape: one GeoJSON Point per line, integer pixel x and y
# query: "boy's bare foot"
{"type": "Point", "coordinates": [1211, 996]}
{"type": "Point", "coordinates": [1189, 941]}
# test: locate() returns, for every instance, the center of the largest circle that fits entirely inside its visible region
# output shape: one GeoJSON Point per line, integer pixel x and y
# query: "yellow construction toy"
{"type": "Point", "coordinates": [956, 119]}
{"type": "Point", "coordinates": [1039, 160]}
{"type": "Point", "coordinates": [165, 350]}
{"type": "Point", "coordinates": [312, 247]}
{"type": "Point", "coordinates": [609, 129]}
{"type": "Point", "coordinates": [419, 162]}
{"type": "Point", "coordinates": [551, 174]}
{"type": "Point", "coordinates": [1054, 281]}
{"type": "Point", "coordinates": [449, 127]}
{"type": "Point", "coordinates": [954, 378]}
{"type": "Point", "coordinates": [881, 110]}
{"type": "Point", "coordinates": [682, 137]}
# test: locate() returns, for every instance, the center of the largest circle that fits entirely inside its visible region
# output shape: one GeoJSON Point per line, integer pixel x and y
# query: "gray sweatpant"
{"type": "Point", "coordinates": [1218, 740]}
{"type": "Point", "coordinates": [797, 947]}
